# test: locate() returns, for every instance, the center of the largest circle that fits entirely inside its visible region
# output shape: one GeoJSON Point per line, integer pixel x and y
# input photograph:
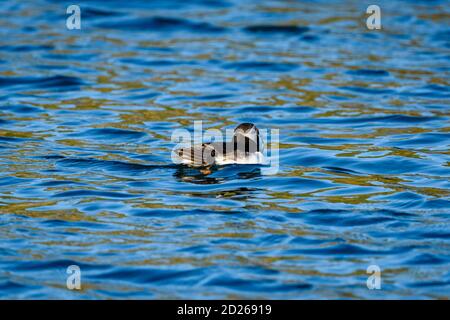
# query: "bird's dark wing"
{"type": "Point", "coordinates": [198, 155]}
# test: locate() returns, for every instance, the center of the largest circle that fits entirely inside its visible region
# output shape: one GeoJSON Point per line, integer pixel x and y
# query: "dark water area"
{"type": "Point", "coordinates": [86, 178]}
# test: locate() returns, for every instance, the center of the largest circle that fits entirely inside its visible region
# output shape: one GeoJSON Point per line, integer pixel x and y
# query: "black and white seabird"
{"type": "Point", "coordinates": [245, 148]}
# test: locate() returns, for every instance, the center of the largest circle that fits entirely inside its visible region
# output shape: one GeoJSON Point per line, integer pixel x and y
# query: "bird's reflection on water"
{"type": "Point", "coordinates": [216, 174]}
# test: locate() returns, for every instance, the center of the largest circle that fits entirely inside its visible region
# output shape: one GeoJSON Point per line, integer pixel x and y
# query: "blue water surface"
{"type": "Point", "coordinates": [86, 179]}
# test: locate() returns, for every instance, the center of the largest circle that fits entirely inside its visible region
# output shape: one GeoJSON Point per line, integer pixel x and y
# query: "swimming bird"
{"type": "Point", "coordinates": [245, 148]}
